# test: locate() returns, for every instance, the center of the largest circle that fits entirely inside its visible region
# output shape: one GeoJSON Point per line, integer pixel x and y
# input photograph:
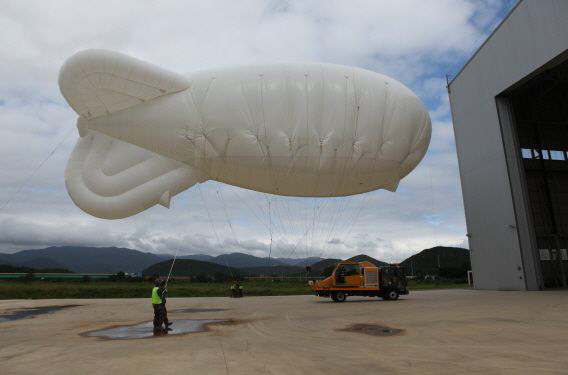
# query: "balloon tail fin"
{"type": "Point", "coordinates": [99, 82]}
{"type": "Point", "coordinates": [392, 187]}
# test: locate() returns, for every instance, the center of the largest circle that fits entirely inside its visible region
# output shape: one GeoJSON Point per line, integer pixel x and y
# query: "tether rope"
{"type": "Point", "coordinates": [214, 230]}
{"type": "Point", "coordinates": [270, 220]}
{"type": "Point", "coordinates": [172, 266]}
{"type": "Point", "coordinates": [35, 170]}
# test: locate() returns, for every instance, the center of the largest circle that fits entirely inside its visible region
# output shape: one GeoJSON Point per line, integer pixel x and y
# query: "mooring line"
{"type": "Point", "coordinates": [7, 202]}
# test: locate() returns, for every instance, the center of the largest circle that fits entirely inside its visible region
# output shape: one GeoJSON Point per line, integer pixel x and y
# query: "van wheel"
{"type": "Point", "coordinates": [333, 297]}
{"type": "Point", "coordinates": [340, 297]}
{"type": "Point", "coordinates": [392, 295]}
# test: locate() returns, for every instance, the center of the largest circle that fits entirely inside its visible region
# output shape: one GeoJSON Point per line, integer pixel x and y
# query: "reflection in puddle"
{"type": "Point", "coordinates": [373, 330]}
{"type": "Point", "coordinates": [197, 310]}
{"type": "Point", "coordinates": [146, 329]}
{"type": "Point", "coordinates": [27, 313]}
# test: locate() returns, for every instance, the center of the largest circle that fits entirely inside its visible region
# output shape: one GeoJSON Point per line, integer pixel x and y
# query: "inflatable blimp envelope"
{"type": "Point", "coordinates": [308, 130]}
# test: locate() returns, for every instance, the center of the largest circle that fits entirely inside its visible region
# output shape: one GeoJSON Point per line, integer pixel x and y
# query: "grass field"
{"type": "Point", "coordinates": [105, 289]}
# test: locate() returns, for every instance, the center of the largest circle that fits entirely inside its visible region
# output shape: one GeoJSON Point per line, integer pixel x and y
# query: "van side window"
{"type": "Point", "coordinates": [351, 269]}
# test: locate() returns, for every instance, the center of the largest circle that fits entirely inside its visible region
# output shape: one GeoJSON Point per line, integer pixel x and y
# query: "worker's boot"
{"type": "Point", "coordinates": [169, 324]}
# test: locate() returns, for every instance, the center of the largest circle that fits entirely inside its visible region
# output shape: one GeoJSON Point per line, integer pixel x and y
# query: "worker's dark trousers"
{"type": "Point", "coordinates": [165, 314]}
{"type": "Point", "coordinates": [159, 310]}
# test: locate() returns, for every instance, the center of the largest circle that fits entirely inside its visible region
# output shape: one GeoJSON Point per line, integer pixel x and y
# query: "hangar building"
{"type": "Point", "coordinates": [510, 113]}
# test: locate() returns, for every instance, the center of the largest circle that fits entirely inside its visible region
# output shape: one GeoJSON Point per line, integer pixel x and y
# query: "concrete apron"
{"type": "Point", "coordinates": [427, 332]}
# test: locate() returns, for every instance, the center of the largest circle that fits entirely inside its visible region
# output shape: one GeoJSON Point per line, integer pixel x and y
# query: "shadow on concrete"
{"type": "Point", "coordinates": [32, 312]}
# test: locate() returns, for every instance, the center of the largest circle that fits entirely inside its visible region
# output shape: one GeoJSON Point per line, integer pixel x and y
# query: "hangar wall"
{"type": "Point", "coordinates": [499, 228]}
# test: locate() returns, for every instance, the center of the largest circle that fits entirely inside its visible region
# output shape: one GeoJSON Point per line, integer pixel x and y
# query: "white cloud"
{"type": "Point", "coordinates": [414, 41]}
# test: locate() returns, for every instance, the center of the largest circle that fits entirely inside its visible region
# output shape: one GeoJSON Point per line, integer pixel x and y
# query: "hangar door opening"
{"type": "Point", "coordinates": [540, 109]}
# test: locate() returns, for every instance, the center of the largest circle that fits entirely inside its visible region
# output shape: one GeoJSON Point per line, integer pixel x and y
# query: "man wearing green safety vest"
{"type": "Point", "coordinates": [159, 303]}
{"type": "Point", "coordinates": [236, 290]}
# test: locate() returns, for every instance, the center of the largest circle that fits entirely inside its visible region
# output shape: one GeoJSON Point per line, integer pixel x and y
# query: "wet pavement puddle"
{"type": "Point", "coordinates": [146, 329]}
{"type": "Point", "coordinates": [32, 312]}
{"type": "Point", "coordinates": [373, 330]}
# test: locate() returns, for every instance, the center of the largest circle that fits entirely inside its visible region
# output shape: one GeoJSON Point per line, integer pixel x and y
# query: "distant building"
{"type": "Point", "coordinates": [510, 113]}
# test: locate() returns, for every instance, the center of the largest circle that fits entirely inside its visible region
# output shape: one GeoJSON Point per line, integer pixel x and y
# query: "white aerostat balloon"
{"type": "Point", "coordinates": [311, 130]}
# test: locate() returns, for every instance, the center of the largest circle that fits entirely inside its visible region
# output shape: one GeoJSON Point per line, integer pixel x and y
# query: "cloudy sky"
{"type": "Point", "coordinates": [417, 42]}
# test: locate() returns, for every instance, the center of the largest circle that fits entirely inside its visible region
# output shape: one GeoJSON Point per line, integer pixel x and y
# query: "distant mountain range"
{"type": "Point", "coordinates": [188, 267]}
{"type": "Point", "coordinates": [113, 260]}
{"type": "Point", "coordinates": [438, 259]}
{"type": "Point", "coordinates": [246, 260]}
{"type": "Point", "coordinates": [193, 268]}
{"type": "Point", "coordinates": [4, 268]}
{"type": "Point", "coordinates": [243, 260]}
{"type": "Point", "coordinates": [83, 259]}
